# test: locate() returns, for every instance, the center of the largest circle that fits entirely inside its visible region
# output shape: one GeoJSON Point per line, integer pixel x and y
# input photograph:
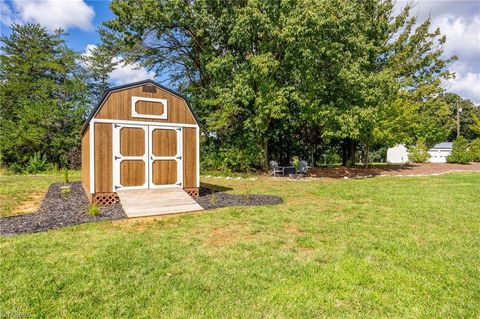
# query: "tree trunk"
{"type": "Point", "coordinates": [348, 152]}
{"type": "Point", "coordinates": [344, 152]}
{"type": "Point", "coordinates": [366, 153]}
{"type": "Point", "coordinates": [352, 146]}
{"type": "Point", "coordinates": [265, 154]}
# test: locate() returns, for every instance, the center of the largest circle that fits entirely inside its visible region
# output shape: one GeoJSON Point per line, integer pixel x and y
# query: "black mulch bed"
{"type": "Point", "coordinates": [71, 209]}
{"type": "Point", "coordinates": [58, 210]}
{"type": "Point", "coordinates": [210, 199]}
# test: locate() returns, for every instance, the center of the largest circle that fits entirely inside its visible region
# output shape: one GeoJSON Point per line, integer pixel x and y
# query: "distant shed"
{"type": "Point", "coordinates": [140, 136]}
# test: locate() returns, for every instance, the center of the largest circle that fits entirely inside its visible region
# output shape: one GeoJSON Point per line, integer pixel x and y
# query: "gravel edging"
{"type": "Point", "coordinates": [58, 211]}
{"type": "Point", "coordinates": [209, 199]}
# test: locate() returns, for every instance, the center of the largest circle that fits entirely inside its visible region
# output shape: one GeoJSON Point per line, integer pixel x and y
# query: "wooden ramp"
{"type": "Point", "coordinates": [159, 201]}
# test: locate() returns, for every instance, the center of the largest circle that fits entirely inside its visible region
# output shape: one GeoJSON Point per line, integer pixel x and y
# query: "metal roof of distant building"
{"type": "Point", "coordinates": [444, 146]}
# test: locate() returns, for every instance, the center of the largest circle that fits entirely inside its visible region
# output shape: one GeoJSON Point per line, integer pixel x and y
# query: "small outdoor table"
{"type": "Point", "coordinates": [287, 170]}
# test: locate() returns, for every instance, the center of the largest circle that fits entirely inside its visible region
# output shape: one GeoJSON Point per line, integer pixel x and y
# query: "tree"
{"type": "Point", "coordinates": [475, 126]}
{"type": "Point", "coordinates": [475, 150]}
{"type": "Point", "coordinates": [469, 112]}
{"type": "Point", "coordinates": [42, 97]}
{"type": "Point", "coordinates": [99, 63]}
{"type": "Point", "coordinates": [460, 152]}
{"type": "Point", "coordinates": [265, 75]}
{"type": "Point", "coordinates": [419, 152]}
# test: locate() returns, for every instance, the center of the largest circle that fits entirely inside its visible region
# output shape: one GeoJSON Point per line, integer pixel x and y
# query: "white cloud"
{"type": "Point", "coordinates": [465, 84]}
{"type": "Point", "coordinates": [463, 36]}
{"type": "Point", "coordinates": [124, 73]}
{"type": "Point", "coordinates": [127, 73]}
{"type": "Point", "coordinates": [460, 21]}
{"type": "Point", "coordinates": [52, 14]}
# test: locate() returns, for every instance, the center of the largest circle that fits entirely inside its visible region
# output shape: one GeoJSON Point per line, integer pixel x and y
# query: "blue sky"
{"type": "Point", "coordinates": [459, 20]}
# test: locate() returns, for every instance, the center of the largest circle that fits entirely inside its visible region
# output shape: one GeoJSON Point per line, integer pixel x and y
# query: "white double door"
{"type": "Point", "coordinates": [146, 156]}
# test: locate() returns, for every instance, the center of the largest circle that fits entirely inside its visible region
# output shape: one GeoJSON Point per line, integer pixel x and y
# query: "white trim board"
{"type": "Point", "coordinates": [126, 122]}
{"type": "Point", "coordinates": [148, 157]}
{"type": "Point", "coordinates": [92, 158]}
{"type": "Point", "coordinates": [198, 156]}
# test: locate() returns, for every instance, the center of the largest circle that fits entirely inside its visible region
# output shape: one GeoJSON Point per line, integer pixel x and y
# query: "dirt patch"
{"type": "Point", "coordinates": [292, 229]}
{"type": "Point", "coordinates": [57, 211]}
{"type": "Point", "coordinates": [223, 236]}
{"type": "Point", "coordinates": [209, 199]}
{"type": "Point", "coordinates": [30, 205]}
{"type": "Point", "coordinates": [393, 170]}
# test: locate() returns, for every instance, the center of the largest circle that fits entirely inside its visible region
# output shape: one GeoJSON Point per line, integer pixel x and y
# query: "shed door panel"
{"type": "Point", "coordinates": [165, 157]}
{"type": "Point", "coordinates": [130, 157]}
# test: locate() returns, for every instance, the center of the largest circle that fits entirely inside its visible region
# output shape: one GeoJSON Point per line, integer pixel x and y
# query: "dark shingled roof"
{"type": "Point", "coordinates": [119, 87]}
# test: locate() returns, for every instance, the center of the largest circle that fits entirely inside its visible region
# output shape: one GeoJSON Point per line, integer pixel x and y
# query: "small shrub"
{"type": "Point", "coordinates": [296, 162]}
{"type": "Point", "coordinates": [330, 157]}
{"type": "Point", "coordinates": [213, 198]}
{"type": "Point", "coordinates": [65, 190]}
{"type": "Point", "coordinates": [16, 168]}
{"type": "Point", "coordinates": [36, 163]}
{"type": "Point", "coordinates": [475, 150]}
{"type": "Point", "coordinates": [93, 210]}
{"type": "Point", "coordinates": [419, 152]}
{"type": "Point", "coordinates": [460, 152]}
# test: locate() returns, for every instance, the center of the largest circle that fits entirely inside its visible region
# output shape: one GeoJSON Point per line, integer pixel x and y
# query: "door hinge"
{"type": "Point", "coordinates": [178, 183]}
{"type": "Point", "coordinates": [117, 158]}
{"type": "Point", "coordinates": [117, 187]}
{"type": "Point", "coordinates": [179, 129]}
{"type": "Point", "coordinates": [116, 125]}
{"type": "Point", "coordinates": [179, 157]}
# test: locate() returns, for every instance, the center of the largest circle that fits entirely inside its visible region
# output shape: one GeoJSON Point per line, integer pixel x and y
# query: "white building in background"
{"type": "Point", "coordinates": [438, 154]}
{"type": "Point", "coordinates": [397, 154]}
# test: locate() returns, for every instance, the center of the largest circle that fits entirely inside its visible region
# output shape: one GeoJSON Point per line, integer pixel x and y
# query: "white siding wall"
{"type": "Point", "coordinates": [397, 154]}
{"type": "Point", "coordinates": [438, 156]}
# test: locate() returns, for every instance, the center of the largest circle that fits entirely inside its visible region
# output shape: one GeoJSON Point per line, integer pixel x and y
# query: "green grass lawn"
{"type": "Point", "coordinates": [381, 247]}
{"type": "Point", "coordinates": [22, 193]}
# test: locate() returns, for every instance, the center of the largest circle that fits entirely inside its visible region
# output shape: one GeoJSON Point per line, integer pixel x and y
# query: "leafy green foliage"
{"type": "Point", "coordinates": [475, 150]}
{"type": "Point", "coordinates": [295, 162]}
{"type": "Point", "coordinates": [419, 152]}
{"type": "Point", "coordinates": [99, 63]}
{"type": "Point", "coordinates": [475, 126]}
{"type": "Point", "coordinates": [36, 163]}
{"type": "Point", "coordinates": [270, 80]}
{"type": "Point", "coordinates": [42, 96]}
{"type": "Point", "coordinates": [460, 152]}
{"type": "Point", "coordinates": [93, 210]}
{"type": "Point", "coordinates": [66, 179]}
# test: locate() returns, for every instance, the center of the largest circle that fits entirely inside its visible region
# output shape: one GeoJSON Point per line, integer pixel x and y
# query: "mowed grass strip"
{"type": "Point", "coordinates": [23, 193]}
{"type": "Point", "coordinates": [380, 247]}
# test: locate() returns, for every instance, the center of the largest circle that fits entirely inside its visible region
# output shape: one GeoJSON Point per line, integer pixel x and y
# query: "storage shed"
{"type": "Point", "coordinates": [140, 136]}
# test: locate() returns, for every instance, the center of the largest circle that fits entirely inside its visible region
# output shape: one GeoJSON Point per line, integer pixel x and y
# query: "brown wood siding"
{"type": "Point", "coordinates": [103, 158]}
{"type": "Point", "coordinates": [189, 157]}
{"type": "Point", "coordinates": [132, 141]}
{"type": "Point", "coordinates": [164, 142]}
{"type": "Point", "coordinates": [117, 106]}
{"type": "Point", "coordinates": [86, 160]}
{"type": "Point", "coordinates": [149, 108]}
{"type": "Point", "coordinates": [164, 172]}
{"type": "Point", "coordinates": [132, 173]}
